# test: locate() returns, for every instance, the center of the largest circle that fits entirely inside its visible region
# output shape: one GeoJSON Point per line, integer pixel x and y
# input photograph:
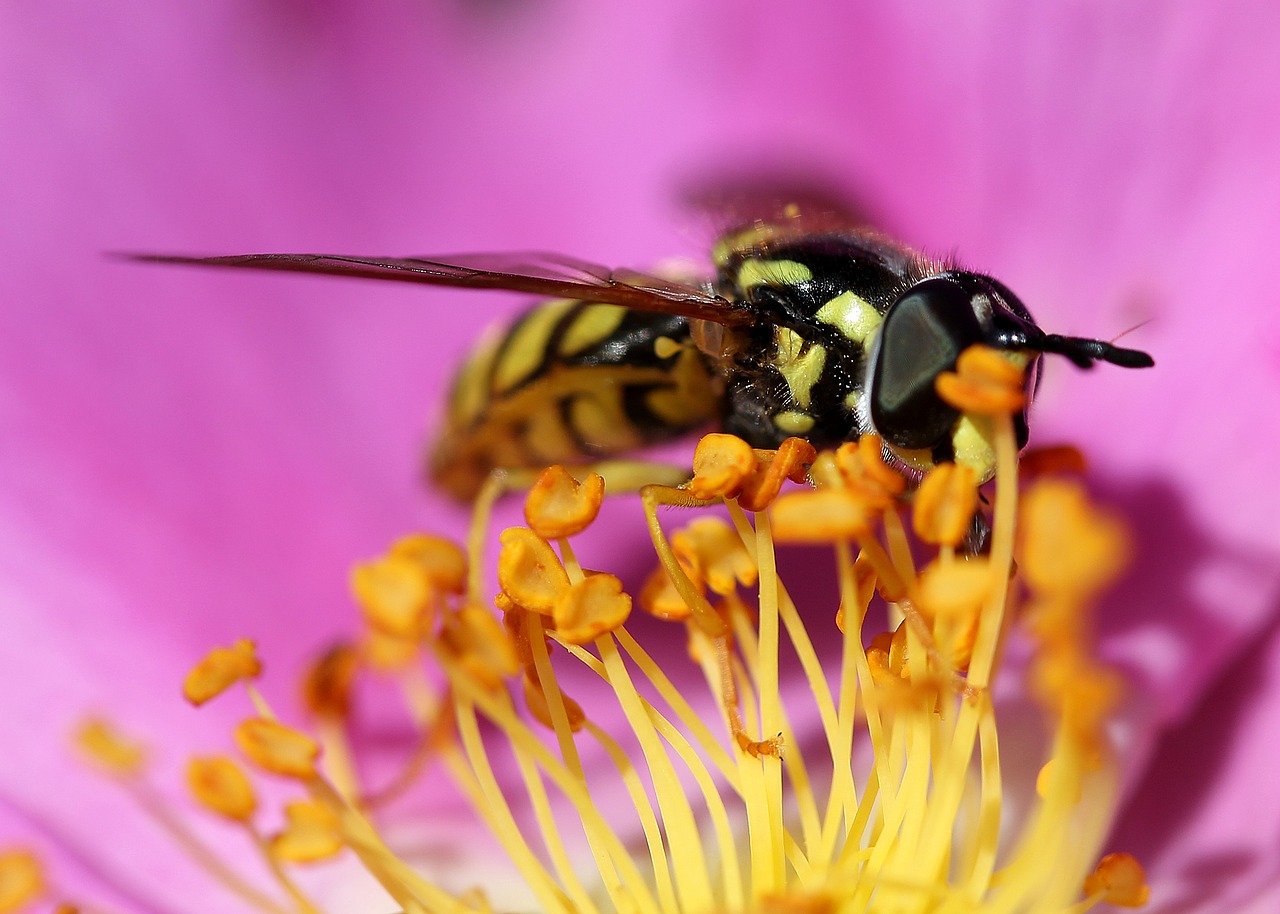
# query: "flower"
{"type": "Point", "coordinates": [900, 800]}
{"type": "Point", "coordinates": [188, 460]}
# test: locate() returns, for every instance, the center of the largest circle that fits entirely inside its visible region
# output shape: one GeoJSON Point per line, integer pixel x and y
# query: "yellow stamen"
{"type": "Point", "coordinates": [985, 383]}
{"type": "Point", "coordinates": [1069, 547]}
{"type": "Point", "coordinates": [387, 653]}
{"type": "Point", "coordinates": [862, 465]}
{"type": "Point", "coordinates": [945, 504]}
{"type": "Point", "coordinates": [109, 749]}
{"type": "Point", "coordinates": [312, 832]}
{"type": "Point", "coordinates": [479, 645]}
{"type": "Point", "coordinates": [326, 686]}
{"type": "Point", "coordinates": [21, 879]}
{"type": "Point", "coordinates": [442, 562]}
{"type": "Point", "coordinates": [276, 748]}
{"type": "Point", "coordinates": [589, 608]}
{"type": "Point", "coordinates": [790, 461]}
{"type": "Point", "coordinates": [220, 669]}
{"type": "Point", "coordinates": [395, 595]}
{"type": "Point", "coordinates": [893, 798]}
{"type": "Point", "coordinates": [221, 786]}
{"type": "Point", "coordinates": [1120, 880]}
{"type": "Point", "coordinates": [529, 571]}
{"type": "Point", "coordinates": [721, 463]}
{"type": "Point", "coordinates": [712, 549]}
{"type": "Point", "coordinates": [659, 596]}
{"type": "Point", "coordinates": [820, 517]}
{"type": "Point", "coordinates": [558, 505]}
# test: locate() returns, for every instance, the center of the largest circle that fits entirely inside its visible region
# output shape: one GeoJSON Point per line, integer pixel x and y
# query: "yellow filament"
{"type": "Point", "coordinates": [493, 803]}
{"type": "Point", "coordinates": [690, 864]}
{"type": "Point", "coordinates": [612, 852]}
{"type": "Point", "coordinates": [564, 734]}
{"type": "Point", "coordinates": [671, 734]}
{"type": "Point", "coordinates": [291, 888]}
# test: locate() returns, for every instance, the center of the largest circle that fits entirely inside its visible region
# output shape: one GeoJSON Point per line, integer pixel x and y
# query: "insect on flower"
{"type": "Point", "coordinates": [810, 328]}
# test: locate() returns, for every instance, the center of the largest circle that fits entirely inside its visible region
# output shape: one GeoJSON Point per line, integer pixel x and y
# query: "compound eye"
{"type": "Point", "coordinates": [923, 334]}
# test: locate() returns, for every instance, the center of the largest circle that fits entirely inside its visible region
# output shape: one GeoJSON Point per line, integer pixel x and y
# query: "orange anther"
{"type": "Point", "coordinates": [878, 658]}
{"type": "Point", "coordinates": [1059, 459]}
{"type": "Point", "coordinates": [110, 749]}
{"type": "Point", "coordinates": [659, 596]}
{"type": "Point", "coordinates": [954, 590]}
{"type": "Point", "coordinates": [394, 594]}
{"type": "Point", "coordinates": [993, 365]}
{"type": "Point", "coordinates": [985, 382]}
{"type": "Point", "coordinates": [220, 669]}
{"type": "Point", "coordinates": [823, 516]}
{"type": "Point", "coordinates": [1076, 687]}
{"type": "Point", "coordinates": [864, 585]}
{"type": "Point", "coordinates": [713, 549]}
{"type": "Point", "coordinates": [21, 879]}
{"type": "Point", "coordinates": [312, 832]}
{"type": "Point", "coordinates": [790, 461]}
{"type": "Point", "coordinates": [721, 463]}
{"type": "Point", "coordinates": [386, 653]}
{"type": "Point", "coordinates": [591, 607]}
{"type": "Point", "coordinates": [327, 681]}
{"type": "Point", "coordinates": [945, 504]}
{"type": "Point", "coordinates": [529, 571]}
{"type": "Point", "coordinates": [558, 505]}
{"type": "Point", "coordinates": [443, 563]}
{"type": "Point", "coordinates": [481, 646]}
{"type": "Point", "coordinates": [795, 455]}
{"type": "Point", "coordinates": [951, 596]}
{"type": "Point", "coordinates": [1069, 547]}
{"type": "Point", "coordinates": [862, 465]}
{"type": "Point", "coordinates": [276, 748]}
{"type": "Point", "coordinates": [221, 786]}
{"type": "Point", "coordinates": [536, 700]}
{"type": "Point", "coordinates": [1120, 880]}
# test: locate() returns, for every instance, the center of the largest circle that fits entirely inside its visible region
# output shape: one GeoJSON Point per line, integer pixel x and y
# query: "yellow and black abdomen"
{"type": "Point", "coordinates": [572, 381]}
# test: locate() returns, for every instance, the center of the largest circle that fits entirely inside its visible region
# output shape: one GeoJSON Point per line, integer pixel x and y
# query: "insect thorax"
{"type": "Point", "coordinates": [819, 302]}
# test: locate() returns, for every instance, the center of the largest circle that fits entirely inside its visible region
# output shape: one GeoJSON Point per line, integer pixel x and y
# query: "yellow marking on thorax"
{"type": "Point", "coordinates": [800, 372]}
{"type": "Point", "coordinates": [594, 324]}
{"type": "Point", "coordinates": [772, 273]}
{"type": "Point", "coordinates": [793, 422]}
{"type": "Point", "coordinates": [972, 439]}
{"type": "Point", "coordinates": [852, 315]}
{"type": "Point", "coordinates": [525, 350]}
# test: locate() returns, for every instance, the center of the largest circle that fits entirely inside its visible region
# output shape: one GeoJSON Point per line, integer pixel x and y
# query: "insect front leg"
{"type": "Point", "coordinates": [704, 616]}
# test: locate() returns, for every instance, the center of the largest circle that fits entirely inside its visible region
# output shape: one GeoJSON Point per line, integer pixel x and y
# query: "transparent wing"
{"type": "Point", "coordinates": [536, 272]}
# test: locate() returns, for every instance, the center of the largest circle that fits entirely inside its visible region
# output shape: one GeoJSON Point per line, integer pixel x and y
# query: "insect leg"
{"type": "Point", "coordinates": [704, 616]}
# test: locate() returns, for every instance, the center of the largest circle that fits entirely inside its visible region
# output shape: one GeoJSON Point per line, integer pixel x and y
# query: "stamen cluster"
{"type": "Point", "coordinates": [855, 764]}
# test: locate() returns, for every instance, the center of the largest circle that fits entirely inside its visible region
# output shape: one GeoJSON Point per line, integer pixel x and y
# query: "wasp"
{"type": "Point", "coordinates": [809, 328]}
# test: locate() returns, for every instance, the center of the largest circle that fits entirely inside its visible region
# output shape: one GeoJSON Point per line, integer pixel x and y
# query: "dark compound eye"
{"type": "Point", "coordinates": [923, 334]}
